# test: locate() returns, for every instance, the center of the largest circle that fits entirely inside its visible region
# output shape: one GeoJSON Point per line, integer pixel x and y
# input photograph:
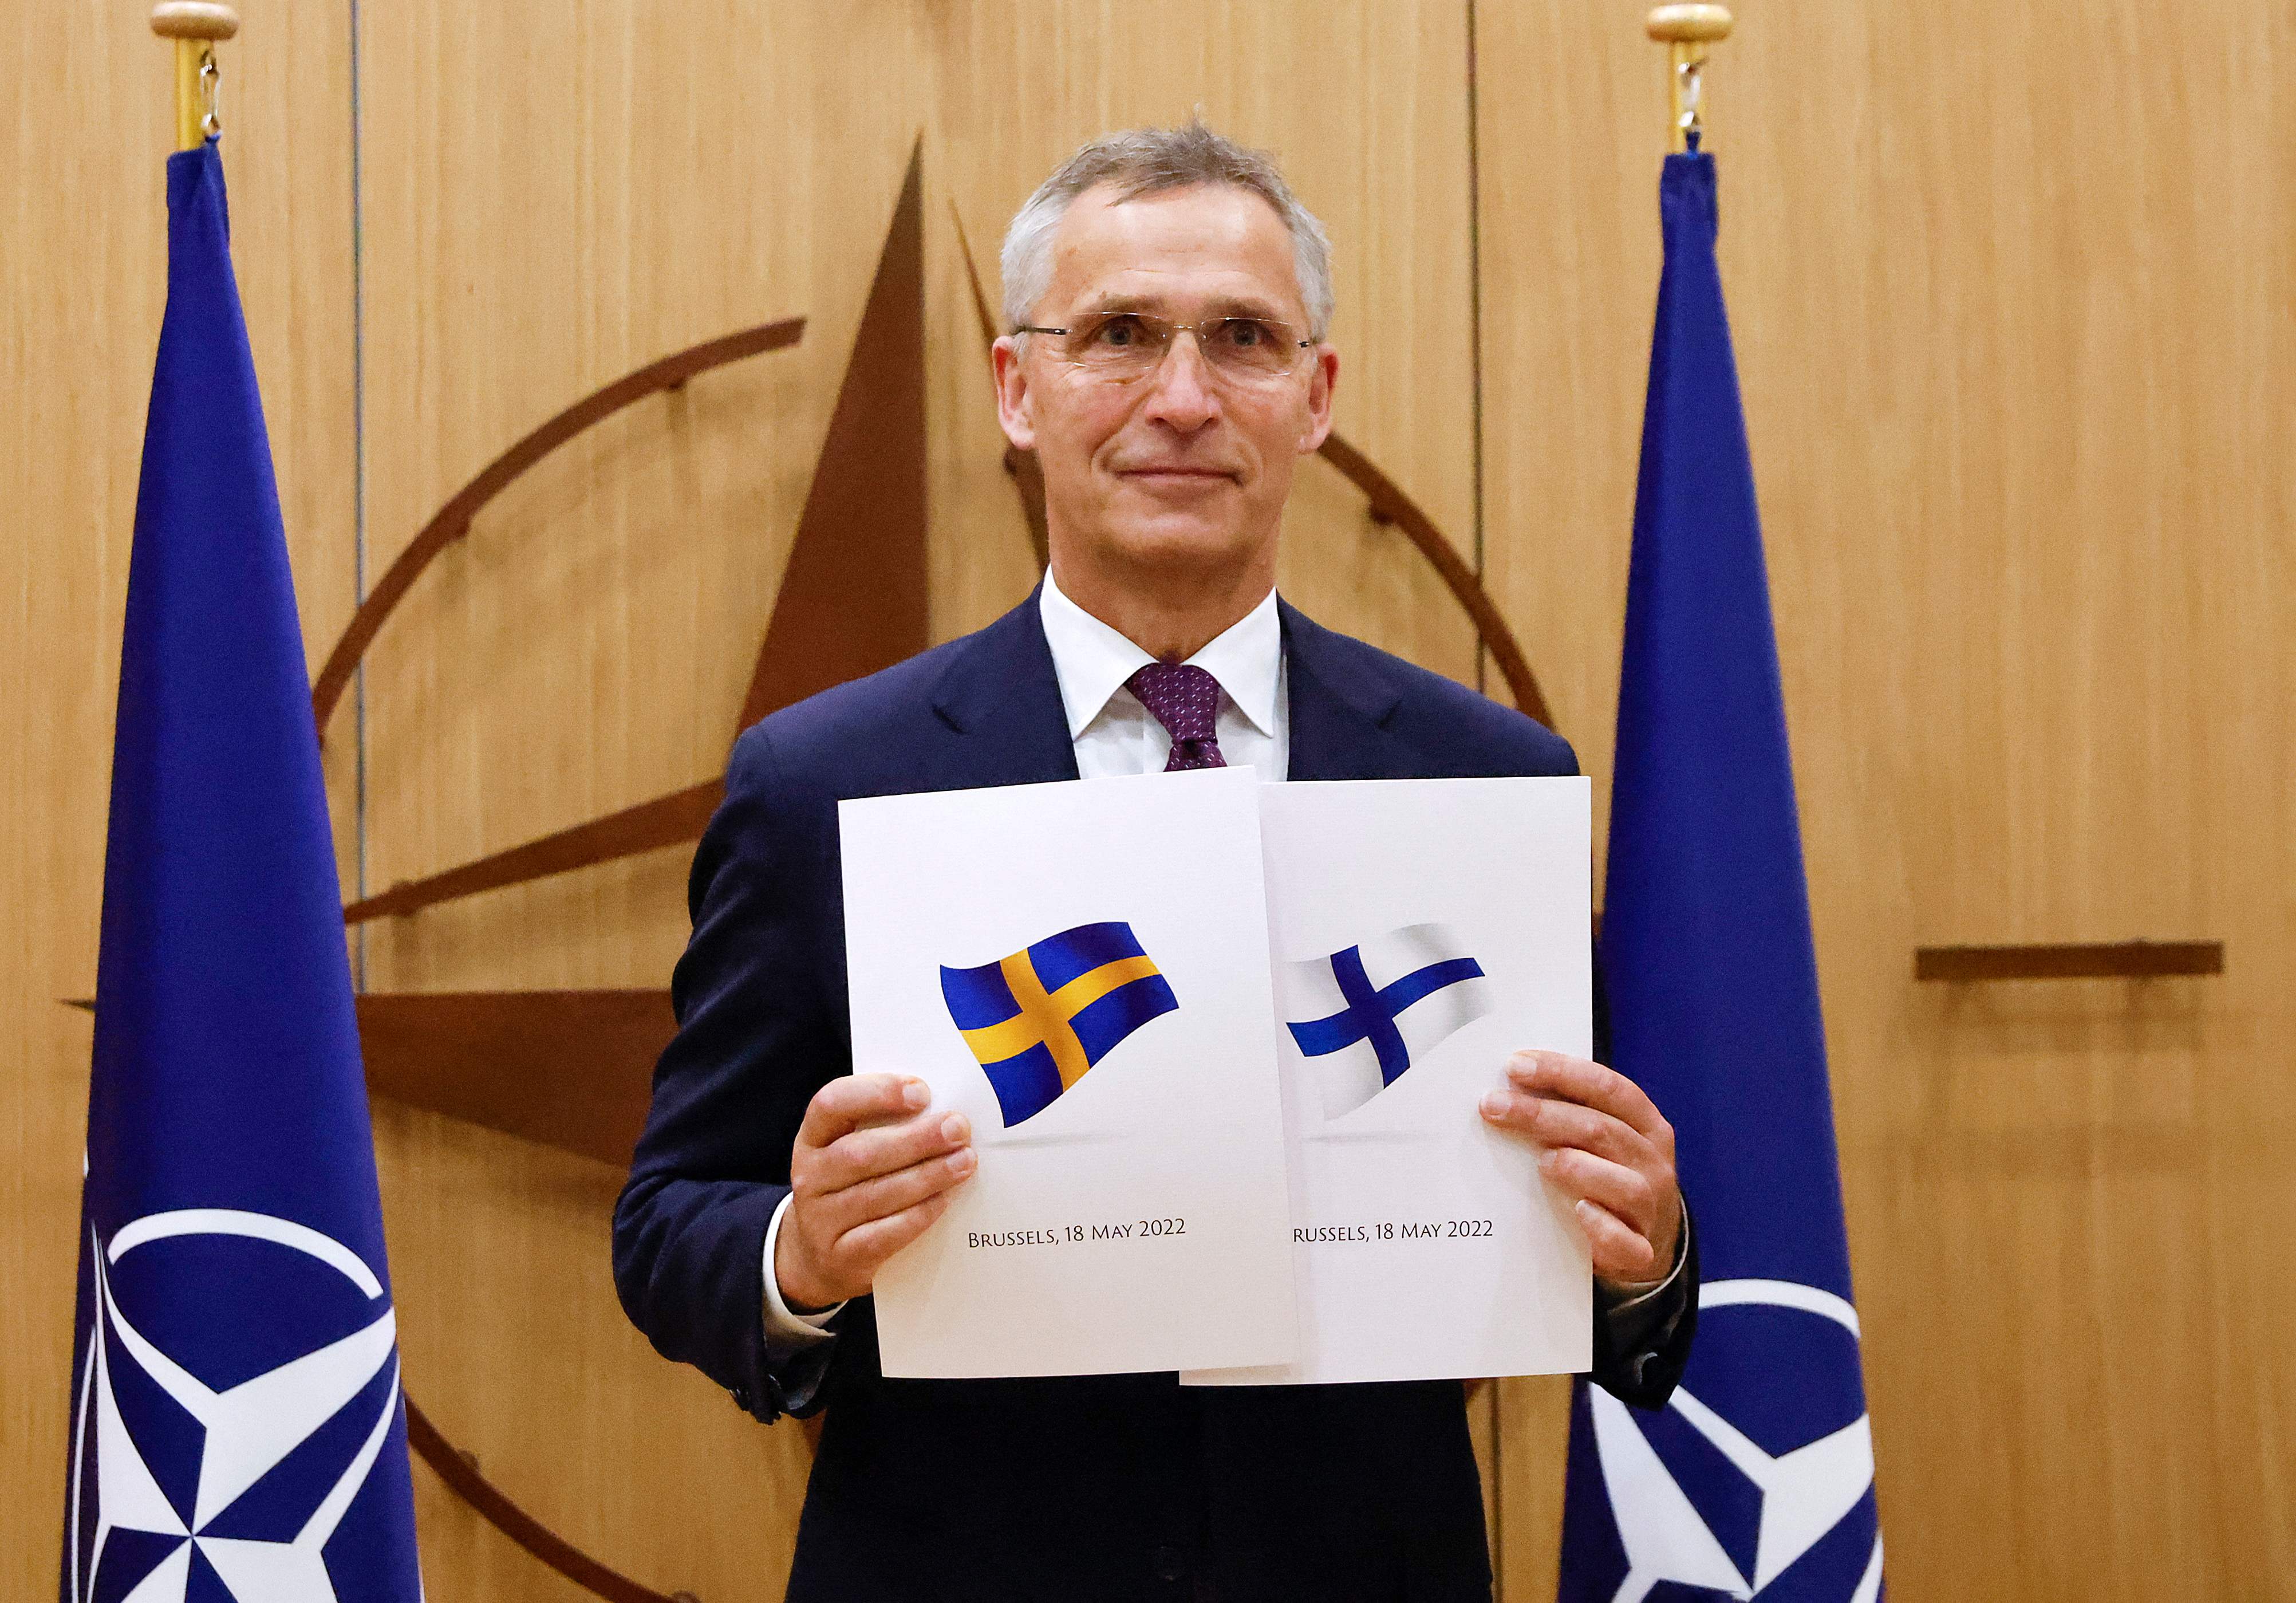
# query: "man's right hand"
{"type": "Point", "coordinates": [870, 1171]}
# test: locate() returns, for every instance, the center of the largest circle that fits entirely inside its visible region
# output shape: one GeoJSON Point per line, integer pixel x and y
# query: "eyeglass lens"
{"type": "Point", "coordinates": [1130, 343]}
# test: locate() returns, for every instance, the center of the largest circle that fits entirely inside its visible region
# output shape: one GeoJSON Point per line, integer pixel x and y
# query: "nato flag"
{"type": "Point", "coordinates": [237, 1427]}
{"type": "Point", "coordinates": [1757, 1480]}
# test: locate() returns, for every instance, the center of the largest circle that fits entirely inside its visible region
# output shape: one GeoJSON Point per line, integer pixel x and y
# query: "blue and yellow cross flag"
{"type": "Point", "coordinates": [237, 1427]}
{"type": "Point", "coordinates": [1038, 1020]}
{"type": "Point", "coordinates": [1757, 1479]}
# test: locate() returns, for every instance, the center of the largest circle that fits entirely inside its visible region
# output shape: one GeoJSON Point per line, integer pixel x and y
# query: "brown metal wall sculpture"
{"type": "Point", "coordinates": [572, 1069]}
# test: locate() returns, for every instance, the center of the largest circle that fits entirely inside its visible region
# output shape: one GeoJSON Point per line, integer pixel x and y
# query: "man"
{"type": "Point", "coordinates": [1169, 301]}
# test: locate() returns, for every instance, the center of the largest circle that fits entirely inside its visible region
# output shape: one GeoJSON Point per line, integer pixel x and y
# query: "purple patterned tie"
{"type": "Point", "coordinates": [1185, 701]}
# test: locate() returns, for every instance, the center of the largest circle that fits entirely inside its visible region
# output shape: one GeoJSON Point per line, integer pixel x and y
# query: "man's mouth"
{"type": "Point", "coordinates": [1174, 473]}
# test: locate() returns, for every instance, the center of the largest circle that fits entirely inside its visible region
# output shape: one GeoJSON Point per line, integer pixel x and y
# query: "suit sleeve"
{"type": "Point", "coordinates": [754, 1043]}
{"type": "Point", "coordinates": [1640, 1351]}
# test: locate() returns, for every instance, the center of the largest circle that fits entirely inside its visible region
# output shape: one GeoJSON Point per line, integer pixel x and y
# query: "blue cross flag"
{"type": "Point", "coordinates": [1757, 1480]}
{"type": "Point", "coordinates": [1365, 1014]}
{"type": "Point", "coordinates": [237, 1427]}
{"type": "Point", "coordinates": [1038, 1021]}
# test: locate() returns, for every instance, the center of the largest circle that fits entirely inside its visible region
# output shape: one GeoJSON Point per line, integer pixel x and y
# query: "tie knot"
{"type": "Point", "coordinates": [1184, 699]}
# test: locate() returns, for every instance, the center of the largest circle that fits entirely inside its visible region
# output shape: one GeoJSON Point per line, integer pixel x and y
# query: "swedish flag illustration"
{"type": "Point", "coordinates": [1038, 1019]}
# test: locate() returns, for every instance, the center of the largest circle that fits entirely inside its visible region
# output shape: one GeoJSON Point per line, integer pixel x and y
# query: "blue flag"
{"type": "Point", "coordinates": [237, 1427]}
{"type": "Point", "coordinates": [1038, 1021]}
{"type": "Point", "coordinates": [1757, 1480]}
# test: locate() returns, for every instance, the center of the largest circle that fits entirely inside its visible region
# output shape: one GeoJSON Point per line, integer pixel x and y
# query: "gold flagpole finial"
{"type": "Point", "coordinates": [195, 25]}
{"type": "Point", "coordinates": [1686, 30]}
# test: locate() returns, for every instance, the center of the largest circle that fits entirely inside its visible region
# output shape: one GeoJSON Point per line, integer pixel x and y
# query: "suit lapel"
{"type": "Point", "coordinates": [1342, 708]}
{"type": "Point", "coordinates": [1003, 695]}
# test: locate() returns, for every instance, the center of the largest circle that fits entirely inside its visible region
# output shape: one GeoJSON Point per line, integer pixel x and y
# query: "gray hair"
{"type": "Point", "coordinates": [1146, 161]}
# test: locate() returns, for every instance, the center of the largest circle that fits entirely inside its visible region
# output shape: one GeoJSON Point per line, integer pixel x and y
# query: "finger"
{"type": "Point", "coordinates": [864, 1248]}
{"type": "Point", "coordinates": [1619, 1253]}
{"type": "Point", "coordinates": [1625, 1193]}
{"type": "Point", "coordinates": [1588, 1083]}
{"type": "Point", "coordinates": [885, 1195]}
{"type": "Point", "coordinates": [845, 1105]}
{"type": "Point", "coordinates": [887, 1149]}
{"type": "Point", "coordinates": [1557, 1123]}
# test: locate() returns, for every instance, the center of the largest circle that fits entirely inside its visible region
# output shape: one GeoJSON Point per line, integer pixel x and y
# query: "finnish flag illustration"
{"type": "Point", "coordinates": [1365, 1014]}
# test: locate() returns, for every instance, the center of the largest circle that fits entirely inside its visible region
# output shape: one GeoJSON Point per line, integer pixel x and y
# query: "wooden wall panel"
{"type": "Point", "coordinates": [2015, 324]}
{"type": "Point", "coordinates": [1570, 126]}
{"type": "Point", "coordinates": [1366, 106]}
{"type": "Point", "coordinates": [550, 202]}
{"type": "Point", "coordinates": [1386, 175]}
{"type": "Point", "coordinates": [585, 647]}
{"type": "Point", "coordinates": [2012, 295]}
{"type": "Point", "coordinates": [83, 280]}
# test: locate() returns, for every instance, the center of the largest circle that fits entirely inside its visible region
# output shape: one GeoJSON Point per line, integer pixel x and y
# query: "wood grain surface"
{"type": "Point", "coordinates": [544, 208]}
{"type": "Point", "coordinates": [83, 280]}
{"type": "Point", "coordinates": [2012, 289]}
{"type": "Point", "coordinates": [2014, 295]}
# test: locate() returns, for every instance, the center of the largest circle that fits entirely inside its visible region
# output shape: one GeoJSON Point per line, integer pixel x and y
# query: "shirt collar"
{"type": "Point", "coordinates": [1091, 661]}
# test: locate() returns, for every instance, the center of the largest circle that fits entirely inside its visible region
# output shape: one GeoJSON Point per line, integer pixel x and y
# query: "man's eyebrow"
{"type": "Point", "coordinates": [1153, 305]}
{"type": "Point", "coordinates": [1248, 306]}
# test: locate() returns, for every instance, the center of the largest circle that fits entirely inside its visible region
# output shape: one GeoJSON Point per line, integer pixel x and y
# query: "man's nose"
{"type": "Point", "coordinates": [1180, 394]}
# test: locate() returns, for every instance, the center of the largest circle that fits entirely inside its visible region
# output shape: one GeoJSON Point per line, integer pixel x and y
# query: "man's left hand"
{"type": "Point", "coordinates": [1607, 1147]}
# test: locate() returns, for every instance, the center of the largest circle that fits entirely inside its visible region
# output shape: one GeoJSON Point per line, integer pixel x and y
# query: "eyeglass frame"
{"type": "Point", "coordinates": [1179, 328]}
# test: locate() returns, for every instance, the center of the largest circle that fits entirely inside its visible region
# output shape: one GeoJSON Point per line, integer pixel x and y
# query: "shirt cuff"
{"type": "Point", "coordinates": [783, 1323]}
{"type": "Point", "coordinates": [1622, 1299]}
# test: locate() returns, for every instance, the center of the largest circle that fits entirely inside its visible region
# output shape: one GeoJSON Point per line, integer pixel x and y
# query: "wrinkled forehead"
{"type": "Point", "coordinates": [1205, 250]}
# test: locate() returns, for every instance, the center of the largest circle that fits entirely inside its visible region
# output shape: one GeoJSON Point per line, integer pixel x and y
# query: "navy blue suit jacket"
{"type": "Point", "coordinates": [1103, 1487]}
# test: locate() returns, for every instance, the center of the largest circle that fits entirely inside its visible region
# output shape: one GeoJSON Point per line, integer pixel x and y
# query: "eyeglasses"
{"type": "Point", "coordinates": [1120, 347]}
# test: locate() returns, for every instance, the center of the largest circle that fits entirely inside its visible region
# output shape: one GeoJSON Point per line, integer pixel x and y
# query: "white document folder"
{"type": "Point", "coordinates": [1082, 970]}
{"type": "Point", "coordinates": [1423, 929]}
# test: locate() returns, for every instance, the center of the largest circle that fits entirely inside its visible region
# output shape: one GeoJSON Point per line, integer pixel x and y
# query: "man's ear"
{"type": "Point", "coordinates": [1012, 400]}
{"type": "Point", "coordinates": [1321, 382]}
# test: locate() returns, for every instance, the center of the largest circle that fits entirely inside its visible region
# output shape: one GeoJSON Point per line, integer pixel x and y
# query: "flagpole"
{"type": "Point", "coordinates": [195, 25]}
{"type": "Point", "coordinates": [1686, 30]}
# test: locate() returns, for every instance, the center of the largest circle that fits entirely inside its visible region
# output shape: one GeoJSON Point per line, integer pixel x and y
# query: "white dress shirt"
{"type": "Point", "coordinates": [1115, 735]}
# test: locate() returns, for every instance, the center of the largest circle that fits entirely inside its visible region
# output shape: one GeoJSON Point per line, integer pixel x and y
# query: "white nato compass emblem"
{"type": "Point", "coordinates": [1802, 1492]}
{"type": "Point", "coordinates": [276, 1331]}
